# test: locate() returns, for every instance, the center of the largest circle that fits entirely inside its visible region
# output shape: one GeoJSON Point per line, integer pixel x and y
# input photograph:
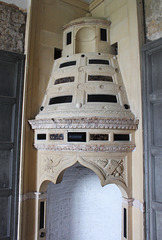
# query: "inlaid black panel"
{"type": "Point", "coordinates": [76, 136]}
{"type": "Point", "coordinates": [41, 136]}
{"type": "Point", "coordinates": [68, 38]}
{"type": "Point", "coordinates": [57, 136]}
{"type": "Point", "coordinates": [67, 64]}
{"type": "Point", "coordinates": [5, 169]}
{"type": "Point", "coordinates": [99, 137]}
{"type": "Point", "coordinates": [57, 53]}
{"type": "Point", "coordinates": [125, 223]}
{"type": "Point", "coordinates": [121, 137]}
{"type": "Point", "coordinates": [6, 122]}
{"type": "Point", "coordinates": [100, 78]}
{"type": "Point", "coordinates": [99, 61]}
{"type": "Point", "coordinates": [102, 98]}
{"type": "Point", "coordinates": [41, 223]}
{"type": "Point", "coordinates": [64, 80]}
{"type": "Point", "coordinates": [8, 78]}
{"type": "Point", "coordinates": [61, 99]}
{"type": "Point", "coordinates": [103, 34]}
{"type": "Point", "coordinates": [5, 218]}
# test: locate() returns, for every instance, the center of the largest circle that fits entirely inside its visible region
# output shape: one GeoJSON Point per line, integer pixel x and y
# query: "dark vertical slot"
{"type": "Point", "coordinates": [68, 38]}
{"type": "Point", "coordinates": [57, 53]}
{"type": "Point", "coordinates": [103, 34]}
{"type": "Point", "coordinates": [41, 223]}
{"type": "Point", "coordinates": [125, 223]}
{"type": "Point", "coordinates": [115, 46]}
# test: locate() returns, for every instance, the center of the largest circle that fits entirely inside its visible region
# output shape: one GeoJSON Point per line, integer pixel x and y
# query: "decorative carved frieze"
{"type": "Point", "coordinates": [84, 123]}
{"type": "Point", "coordinates": [86, 148]}
{"type": "Point", "coordinates": [110, 167]}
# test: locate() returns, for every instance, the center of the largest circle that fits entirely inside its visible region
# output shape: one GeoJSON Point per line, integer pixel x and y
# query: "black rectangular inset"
{"type": "Point", "coordinates": [99, 137]}
{"type": "Point", "coordinates": [64, 80]}
{"type": "Point", "coordinates": [115, 46]}
{"type": "Point", "coordinates": [99, 61]}
{"type": "Point", "coordinates": [41, 136]}
{"type": "Point", "coordinates": [100, 78]}
{"type": "Point", "coordinates": [57, 53]}
{"type": "Point", "coordinates": [103, 34]}
{"type": "Point", "coordinates": [76, 136]}
{"type": "Point", "coordinates": [102, 98]}
{"type": "Point", "coordinates": [121, 137]}
{"type": "Point", "coordinates": [67, 64]}
{"type": "Point", "coordinates": [41, 223]}
{"type": "Point", "coordinates": [61, 99]}
{"type": "Point", "coordinates": [57, 136]}
{"type": "Point", "coordinates": [125, 223]}
{"type": "Point", "coordinates": [68, 38]}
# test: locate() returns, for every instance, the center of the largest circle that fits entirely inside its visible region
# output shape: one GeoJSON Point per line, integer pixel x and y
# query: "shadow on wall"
{"type": "Point", "coordinates": [79, 208]}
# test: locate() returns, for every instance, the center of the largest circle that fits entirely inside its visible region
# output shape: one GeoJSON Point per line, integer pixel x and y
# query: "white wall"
{"type": "Point", "coordinates": [24, 4]}
{"type": "Point", "coordinates": [79, 208]}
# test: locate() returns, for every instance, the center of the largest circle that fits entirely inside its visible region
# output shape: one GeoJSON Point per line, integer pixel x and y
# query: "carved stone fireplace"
{"type": "Point", "coordinates": [85, 117]}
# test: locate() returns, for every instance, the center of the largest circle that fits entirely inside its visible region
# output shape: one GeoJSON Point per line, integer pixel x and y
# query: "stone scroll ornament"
{"type": "Point", "coordinates": [108, 167]}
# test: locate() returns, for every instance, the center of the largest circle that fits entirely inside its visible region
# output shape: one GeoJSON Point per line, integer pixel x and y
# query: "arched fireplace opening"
{"type": "Point", "coordinates": [80, 208]}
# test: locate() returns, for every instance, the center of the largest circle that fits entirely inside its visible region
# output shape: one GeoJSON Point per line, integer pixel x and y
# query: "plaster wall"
{"type": "Point", "coordinates": [153, 19]}
{"type": "Point", "coordinates": [47, 18]}
{"type": "Point", "coordinates": [124, 31]}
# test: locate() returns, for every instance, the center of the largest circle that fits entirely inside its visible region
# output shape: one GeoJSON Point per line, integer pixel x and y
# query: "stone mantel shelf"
{"type": "Point", "coordinates": [84, 123]}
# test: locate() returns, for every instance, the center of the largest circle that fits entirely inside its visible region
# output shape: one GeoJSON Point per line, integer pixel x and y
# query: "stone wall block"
{"type": "Point", "coordinates": [153, 18]}
{"type": "Point", "coordinates": [12, 28]}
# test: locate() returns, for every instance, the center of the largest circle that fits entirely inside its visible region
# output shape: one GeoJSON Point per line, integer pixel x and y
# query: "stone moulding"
{"type": "Point", "coordinates": [84, 123]}
{"type": "Point", "coordinates": [85, 148]}
{"type": "Point", "coordinates": [86, 21]}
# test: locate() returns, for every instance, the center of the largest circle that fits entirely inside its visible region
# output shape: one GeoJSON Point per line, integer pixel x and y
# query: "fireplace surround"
{"type": "Point", "coordinates": [85, 116]}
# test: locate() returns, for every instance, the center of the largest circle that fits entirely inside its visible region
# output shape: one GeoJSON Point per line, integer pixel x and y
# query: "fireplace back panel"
{"type": "Point", "coordinates": [79, 208]}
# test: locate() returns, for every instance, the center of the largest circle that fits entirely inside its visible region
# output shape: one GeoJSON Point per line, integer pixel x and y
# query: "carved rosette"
{"type": "Point", "coordinates": [51, 165]}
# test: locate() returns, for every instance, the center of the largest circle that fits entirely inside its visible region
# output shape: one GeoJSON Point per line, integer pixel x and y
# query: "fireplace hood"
{"type": "Point", "coordinates": [85, 91]}
{"type": "Point", "coordinates": [85, 116]}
